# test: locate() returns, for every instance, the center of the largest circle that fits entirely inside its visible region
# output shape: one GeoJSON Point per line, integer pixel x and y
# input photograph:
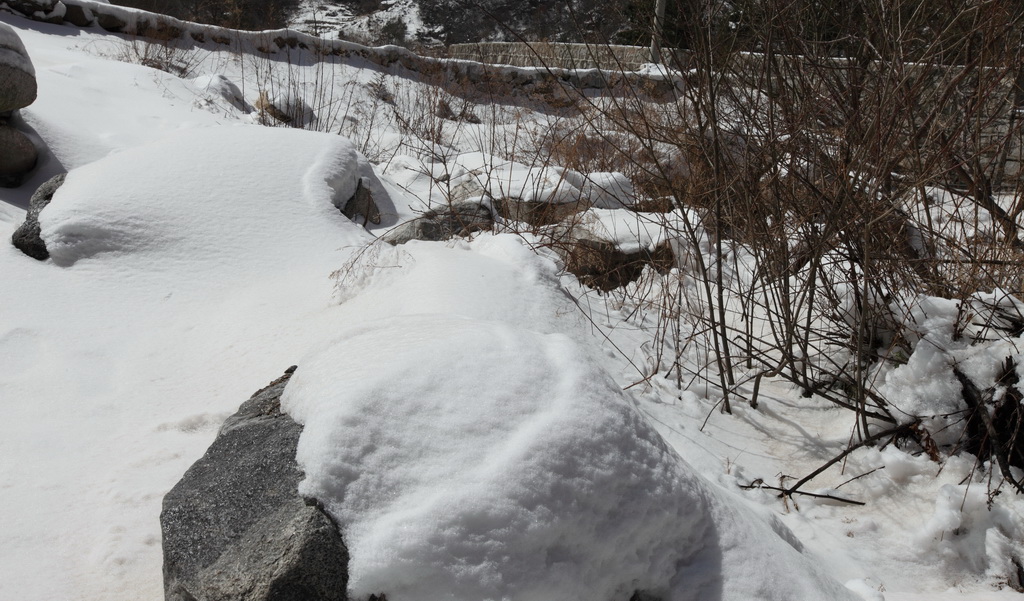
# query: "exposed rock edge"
{"type": "Point", "coordinates": [235, 526]}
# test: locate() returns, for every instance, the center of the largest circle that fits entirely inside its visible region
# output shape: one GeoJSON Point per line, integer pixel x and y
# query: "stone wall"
{"type": "Point", "coordinates": [558, 56]}
{"type": "Point", "coordinates": [554, 88]}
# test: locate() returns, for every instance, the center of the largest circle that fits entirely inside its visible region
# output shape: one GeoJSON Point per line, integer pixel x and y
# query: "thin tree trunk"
{"type": "Point", "coordinates": [659, 27]}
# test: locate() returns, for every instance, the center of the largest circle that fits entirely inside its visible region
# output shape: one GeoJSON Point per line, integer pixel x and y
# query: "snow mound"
{"type": "Point", "coordinates": [469, 456]}
{"type": "Point", "coordinates": [289, 104]}
{"type": "Point", "coordinates": [498, 178]}
{"type": "Point", "coordinates": [221, 87]}
{"type": "Point", "coordinates": [964, 531]}
{"type": "Point", "coordinates": [216, 196]}
{"type": "Point", "coordinates": [603, 190]}
{"type": "Point", "coordinates": [925, 385]}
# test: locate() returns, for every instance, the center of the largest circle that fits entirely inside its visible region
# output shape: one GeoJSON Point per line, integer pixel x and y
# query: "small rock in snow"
{"type": "Point", "coordinates": [26, 238]}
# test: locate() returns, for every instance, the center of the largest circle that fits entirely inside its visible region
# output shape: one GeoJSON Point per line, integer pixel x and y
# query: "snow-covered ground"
{"type": "Point", "coordinates": [472, 413]}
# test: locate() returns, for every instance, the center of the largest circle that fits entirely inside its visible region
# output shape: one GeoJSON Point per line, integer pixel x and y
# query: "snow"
{"type": "Point", "coordinates": [523, 472]}
{"type": "Point", "coordinates": [179, 273]}
{"type": "Point", "coordinates": [470, 412]}
{"type": "Point", "coordinates": [945, 332]}
{"type": "Point", "coordinates": [74, 114]}
{"type": "Point", "coordinates": [219, 86]}
{"type": "Point", "coordinates": [145, 222]}
{"type": "Point", "coordinates": [498, 178]}
{"type": "Point", "coordinates": [608, 190]}
{"type": "Point", "coordinates": [926, 384]}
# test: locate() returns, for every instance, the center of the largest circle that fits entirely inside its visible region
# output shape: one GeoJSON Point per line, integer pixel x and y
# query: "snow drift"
{"type": "Point", "coordinates": [469, 456]}
{"type": "Point", "coordinates": [204, 195]}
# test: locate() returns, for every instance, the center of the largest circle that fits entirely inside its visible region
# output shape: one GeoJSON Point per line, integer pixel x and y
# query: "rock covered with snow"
{"type": "Point", "coordinates": [523, 193]}
{"type": "Point", "coordinates": [17, 76]}
{"type": "Point", "coordinates": [603, 190]}
{"type": "Point", "coordinates": [522, 472]}
{"type": "Point", "coordinates": [287, 106]}
{"type": "Point", "coordinates": [609, 248]}
{"type": "Point", "coordinates": [219, 86]}
{"type": "Point", "coordinates": [78, 14]}
{"type": "Point", "coordinates": [239, 195]}
{"type": "Point", "coordinates": [26, 238]}
{"type": "Point", "coordinates": [535, 212]}
{"type": "Point", "coordinates": [235, 526]}
{"type": "Point", "coordinates": [537, 195]}
{"type": "Point", "coordinates": [457, 219]}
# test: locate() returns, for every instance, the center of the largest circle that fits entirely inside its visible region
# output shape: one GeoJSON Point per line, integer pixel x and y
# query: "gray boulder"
{"type": "Point", "coordinates": [17, 76]}
{"type": "Point", "coordinates": [110, 22]}
{"type": "Point", "coordinates": [458, 219]}
{"type": "Point", "coordinates": [78, 15]}
{"type": "Point", "coordinates": [235, 528]}
{"type": "Point", "coordinates": [361, 204]}
{"type": "Point", "coordinates": [18, 156]}
{"type": "Point", "coordinates": [26, 238]}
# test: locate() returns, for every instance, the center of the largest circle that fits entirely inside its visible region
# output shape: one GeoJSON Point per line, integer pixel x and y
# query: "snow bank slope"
{"type": "Point", "coordinates": [470, 456]}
